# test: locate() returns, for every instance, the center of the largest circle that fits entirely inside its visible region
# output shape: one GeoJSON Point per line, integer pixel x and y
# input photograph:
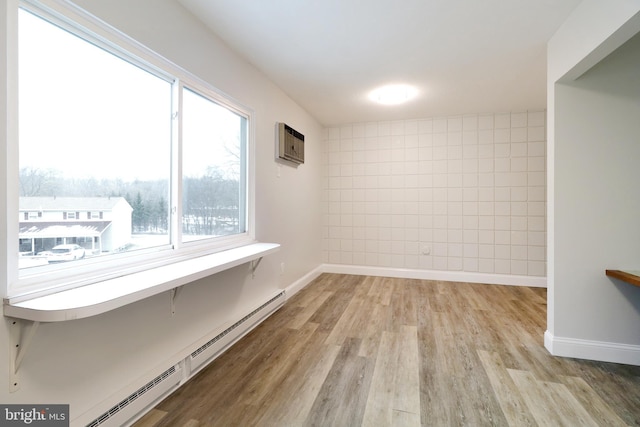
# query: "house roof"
{"type": "Point", "coordinates": [41, 230]}
{"type": "Point", "coordinates": [69, 203]}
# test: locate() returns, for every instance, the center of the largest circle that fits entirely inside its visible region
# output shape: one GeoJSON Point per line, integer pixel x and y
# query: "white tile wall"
{"type": "Point", "coordinates": [463, 193]}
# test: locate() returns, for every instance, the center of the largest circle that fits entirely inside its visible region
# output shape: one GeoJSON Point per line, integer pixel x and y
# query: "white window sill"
{"type": "Point", "coordinates": [98, 298]}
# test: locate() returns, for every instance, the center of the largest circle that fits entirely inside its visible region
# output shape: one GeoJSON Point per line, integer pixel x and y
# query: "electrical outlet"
{"type": "Point", "coordinates": [282, 268]}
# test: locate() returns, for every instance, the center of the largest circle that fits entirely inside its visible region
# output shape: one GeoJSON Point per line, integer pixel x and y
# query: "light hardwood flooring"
{"type": "Point", "coordinates": [373, 351]}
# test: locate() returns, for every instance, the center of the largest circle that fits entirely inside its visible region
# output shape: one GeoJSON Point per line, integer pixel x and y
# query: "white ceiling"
{"type": "Point", "coordinates": [465, 56]}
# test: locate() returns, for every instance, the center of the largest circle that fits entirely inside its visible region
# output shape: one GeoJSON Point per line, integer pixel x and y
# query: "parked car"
{"type": "Point", "coordinates": [68, 252]}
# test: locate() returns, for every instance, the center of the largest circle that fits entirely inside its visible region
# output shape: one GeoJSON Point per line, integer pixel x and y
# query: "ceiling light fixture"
{"type": "Point", "coordinates": [393, 94]}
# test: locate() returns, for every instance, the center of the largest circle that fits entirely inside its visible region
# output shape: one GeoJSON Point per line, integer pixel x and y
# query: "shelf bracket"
{"type": "Point", "coordinates": [254, 266]}
{"type": "Point", "coordinates": [21, 333]}
{"type": "Point", "coordinates": [174, 295]}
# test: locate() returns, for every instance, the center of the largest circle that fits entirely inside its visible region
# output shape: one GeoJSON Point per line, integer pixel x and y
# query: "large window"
{"type": "Point", "coordinates": [134, 161]}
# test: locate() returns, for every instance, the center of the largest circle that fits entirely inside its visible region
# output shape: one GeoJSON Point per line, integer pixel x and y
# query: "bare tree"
{"type": "Point", "coordinates": [37, 182]}
{"type": "Point", "coordinates": [232, 165]}
{"type": "Point", "coordinates": [211, 204]}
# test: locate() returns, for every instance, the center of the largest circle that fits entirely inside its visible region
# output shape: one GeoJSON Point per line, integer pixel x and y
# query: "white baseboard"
{"type": "Point", "coordinates": [451, 276]}
{"type": "Point", "coordinates": [592, 350]}
{"type": "Point", "coordinates": [299, 284]}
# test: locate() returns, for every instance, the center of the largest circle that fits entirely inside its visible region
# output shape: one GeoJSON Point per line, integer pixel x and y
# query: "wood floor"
{"type": "Point", "coordinates": [373, 351]}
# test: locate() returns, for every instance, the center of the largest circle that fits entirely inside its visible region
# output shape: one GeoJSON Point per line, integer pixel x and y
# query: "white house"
{"type": "Point", "coordinates": [98, 224]}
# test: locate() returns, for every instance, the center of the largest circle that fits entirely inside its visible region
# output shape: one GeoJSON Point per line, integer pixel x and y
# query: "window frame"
{"type": "Point", "coordinates": [19, 286]}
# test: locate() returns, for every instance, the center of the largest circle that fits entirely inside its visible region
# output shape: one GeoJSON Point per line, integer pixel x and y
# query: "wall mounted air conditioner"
{"type": "Point", "coordinates": [290, 144]}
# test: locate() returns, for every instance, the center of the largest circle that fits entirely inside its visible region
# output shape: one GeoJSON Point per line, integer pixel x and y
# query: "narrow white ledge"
{"type": "Point", "coordinates": [98, 298]}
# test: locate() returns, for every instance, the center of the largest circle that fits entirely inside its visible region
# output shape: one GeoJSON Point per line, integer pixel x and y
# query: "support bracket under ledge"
{"type": "Point", "coordinates": [21, 333]}
{"type": "Point", "coordinates": [174, 295]}
{"type": "Point", "coordinates": [254, 266]}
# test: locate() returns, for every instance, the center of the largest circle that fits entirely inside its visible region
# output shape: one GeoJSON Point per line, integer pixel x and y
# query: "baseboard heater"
{"type": "Point", "coordinates": [142, 398]}
{"type": "Point", "coordinates": [222, 341]}
{"type": "Point", "coordinates": [133, 407]}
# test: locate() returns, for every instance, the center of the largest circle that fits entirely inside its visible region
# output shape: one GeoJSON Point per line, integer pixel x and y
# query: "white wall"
{"type": "Point", "coordinates": [594, 203]}
{"type": "Point", "coordinates": [459, 198]}
{"type": "Point", "coordinates": [91, 363]}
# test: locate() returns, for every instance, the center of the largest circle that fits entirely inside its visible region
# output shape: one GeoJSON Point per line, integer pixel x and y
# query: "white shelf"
{"type": "Point", "coordinates": [98, 298]}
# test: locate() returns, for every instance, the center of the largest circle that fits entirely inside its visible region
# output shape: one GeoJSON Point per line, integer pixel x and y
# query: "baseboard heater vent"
{"type": "Point", "coordinates": [234, 332]}
{"type": "Point", "coordinates": [145, 395]}
{"type": "Point", "coordinates": [125, 412]}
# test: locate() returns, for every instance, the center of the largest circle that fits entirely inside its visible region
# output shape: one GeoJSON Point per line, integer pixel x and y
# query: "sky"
{"type": "Point", "coordinates": [87, 113]}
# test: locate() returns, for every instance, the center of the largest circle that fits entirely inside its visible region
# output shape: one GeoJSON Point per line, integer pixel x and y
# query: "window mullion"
{"type": "Point", "coordinates": [176, 165]}
{"type": "Point", "coordinates": [243, 196]}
